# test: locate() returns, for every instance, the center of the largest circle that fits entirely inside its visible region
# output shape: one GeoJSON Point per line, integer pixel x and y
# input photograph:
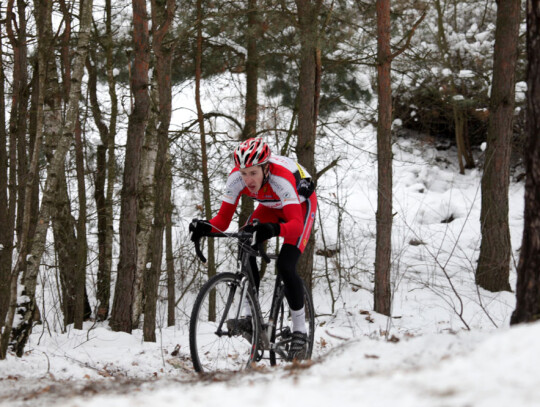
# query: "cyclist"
{"type": "Point", "coordinates": [287, 205]}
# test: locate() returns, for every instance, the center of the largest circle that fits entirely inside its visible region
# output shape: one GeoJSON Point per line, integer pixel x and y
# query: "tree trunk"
{"type": "Point", "coordinates": [252, 71]}
{"type": "Point", "coordinates": [17, 124]}
{"type": "Point", "coordinates": [100, 177]}
{"type": "Point", "coordinates": [493, 269]}
{"type": "Point", "coordinates": [63, 226]}
{"type": "Point", "coordinates": [459, 124]}
{"type": "Point", "coordinates": [382, 292]}
{"type": "Point", "coordinates": [122, 311]}
{"type": "Point", "coordinates": [43, 13]}
{"type": "Point", "coordinates": [204, 156]}
{"type": "Point", "coordinates": [65, 57]}
{"type": "Point", "coordinates": [308, 102]}
{"type": "Point", "coordinates": [162, 44]}
{"type": "Point", "coordinates": [171, 295]}
{"type": "Point", "coordinates": [252, 77]}
{"type": "Point", "coordinates": [528, 272]}
{"type": "Point", "coordinates": [63, 223]}
{"type": "Point", "coordinates": [82, 307]}
{"type": "Point", "coordinates": [460, 117]}
{"type": "Point", "coordinates": [105, 170]}
{"type": "Point", "coordinates": [8, 195]}
{"type": "Point", "coordinates": [7, 216]}
{"type": "Point", "coordinates": [146, 202]}
{"type": "Point", "coordinates": [6, 239]}
{"type": "Point", "coordinates": [32, 122]}
{"type": "Point", "coordinates": [69, 234]}
{"type": "Point", "coordinates": [26, 310]}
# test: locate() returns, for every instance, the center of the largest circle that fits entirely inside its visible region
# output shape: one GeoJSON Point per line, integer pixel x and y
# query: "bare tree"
{"type": "Point", "coordinates": [528, 281]}
{"type": "Point", "coordinates": [309, 83]}
{"type": "Point", "coordinates": [459, 111]}
{"type": "Point", "coordinates": [6, 232]}
{"type": "Point", "coordinates": [105, 167]}
{"type": "Point", "coordinates": [17, 123]}
{"type": "Point", "coordinates": [252, 70]}
{"type": "Point", "coordinates": [252, 78]}
{"type": "Point", "coordinates": [8, 193]}
{"type": "Point", "coordinates": [64, 234]}
{"type": "Point", "coordinates": [146, 198]}
{"type": "Point", "coordinates": [204, 156]}
{"type": "Point", "coordinates": [26, 310]}
{"type": "Point", "coordinates": [42, 15]}
{"type": "Point", "coordinates": [383, 249]}
{"type": "Point", "coordinates": [82, 309]}
{"type": "Point", "coordinates": [493, 268]}
{"type": "Point", "coordinates": [122, 311]}
{"type": "Point", "coordinates": [169, 258]}
{"type": "Point", "coordinates": [69, 233]}
{"type": "Point", "coordinates": [163, 45]}
{"type": "Point", "coordinates": [382, 293]}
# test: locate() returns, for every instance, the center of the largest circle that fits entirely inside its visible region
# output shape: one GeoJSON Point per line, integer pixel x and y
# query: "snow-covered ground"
{"type": "Point", "coordinates": [440, 348]}
{"type": "Point", "coordinates": [478, 368]}
{"type": "Point", "coordinates": [447, 343]}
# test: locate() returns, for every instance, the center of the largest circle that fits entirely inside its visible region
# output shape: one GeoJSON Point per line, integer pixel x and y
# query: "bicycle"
{"type": "Point", "coordinates": [218, 338]}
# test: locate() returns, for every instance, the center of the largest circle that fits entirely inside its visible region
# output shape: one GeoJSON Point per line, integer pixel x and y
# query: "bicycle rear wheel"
{"type": "Point", "coordinates": [281, 332]}
{"type": "Point", "coordinates": [216, 342]}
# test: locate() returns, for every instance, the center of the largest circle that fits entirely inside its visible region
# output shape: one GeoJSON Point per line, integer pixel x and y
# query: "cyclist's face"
{"type": "Point", "coordinates": [253, 177]}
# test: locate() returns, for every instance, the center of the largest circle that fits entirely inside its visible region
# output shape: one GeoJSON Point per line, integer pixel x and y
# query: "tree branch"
{"type": "Point", "coordinates": [207, 116]}
{"type": "Point", "coordinates": [328, 167]}
{"type": "Point", "coordinates": [409, 37]}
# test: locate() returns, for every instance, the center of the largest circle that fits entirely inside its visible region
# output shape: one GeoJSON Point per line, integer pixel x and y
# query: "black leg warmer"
{"type": "Point", "coordinates": [286, 265]}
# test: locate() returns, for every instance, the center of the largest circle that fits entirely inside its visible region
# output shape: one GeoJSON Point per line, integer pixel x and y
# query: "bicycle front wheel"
{"type": "Point", "coordinates": [220, 340]}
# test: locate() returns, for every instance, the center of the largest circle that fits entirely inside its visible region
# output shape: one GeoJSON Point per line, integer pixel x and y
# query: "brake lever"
{"type": "Point", "coordinates": [198, 250]}
{"type": "Point", "coordinates": [260, 246]}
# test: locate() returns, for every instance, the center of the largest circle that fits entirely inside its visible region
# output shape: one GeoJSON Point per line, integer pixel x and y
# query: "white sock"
{"type": "Point", "coordinates": [299, 320]}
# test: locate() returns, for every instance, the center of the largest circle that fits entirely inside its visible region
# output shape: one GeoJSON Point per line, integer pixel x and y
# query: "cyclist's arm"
{"type": "Point", "coordinates": [231, 196]}
{"type": "Point", "coordinates": [223, 218]}
{"type": "Point", "coordinates": [294, 225]}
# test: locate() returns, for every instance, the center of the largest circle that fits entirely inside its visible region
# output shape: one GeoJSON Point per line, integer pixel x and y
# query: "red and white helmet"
{"type": "Point", "coordinates": [251, 152]}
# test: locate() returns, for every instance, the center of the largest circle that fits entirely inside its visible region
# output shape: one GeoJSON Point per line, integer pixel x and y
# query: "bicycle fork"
{"type": "Point", "coordinates": [248, 282]}
{"type": "Point", "coordinates": [264, 332]}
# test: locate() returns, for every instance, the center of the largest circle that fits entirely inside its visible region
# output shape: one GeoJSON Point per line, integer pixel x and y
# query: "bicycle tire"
{"type": "Point", "coordinates": [228, 350]}
{"type": "Point", "coordinates": [280, 334]}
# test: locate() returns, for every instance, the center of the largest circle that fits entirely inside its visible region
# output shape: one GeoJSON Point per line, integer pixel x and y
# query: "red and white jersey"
{"type": "Point", "coordinates": [288, 186]}
{"type": "Point", "coordinates": [285, 179]}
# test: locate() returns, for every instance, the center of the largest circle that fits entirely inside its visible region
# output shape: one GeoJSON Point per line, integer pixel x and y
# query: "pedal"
{"type": "Point", "coordinates": [286, 333]}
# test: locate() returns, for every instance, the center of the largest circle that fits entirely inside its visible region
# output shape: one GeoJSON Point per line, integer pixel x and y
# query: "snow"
{"type": "Point", "coordinates": [521, 91]}
{"type": "Point", "coordinates": [466, 73]}
{"type": "Point", "coordinates": [438, 348]}
{"type": "Point", "coordinates": [463, 369]}
{"type": "Point", "coordinates": [446, 72]}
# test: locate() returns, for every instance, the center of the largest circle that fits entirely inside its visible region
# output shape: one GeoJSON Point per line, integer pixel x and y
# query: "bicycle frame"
{"type": "Point", "coordinates": [245, 252]}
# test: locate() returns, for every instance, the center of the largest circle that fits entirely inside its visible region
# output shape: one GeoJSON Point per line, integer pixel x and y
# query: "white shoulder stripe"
{"type": "Point", "coordinates": [235, 184]}
{"type": "Point", "coordinates": [284, 190]}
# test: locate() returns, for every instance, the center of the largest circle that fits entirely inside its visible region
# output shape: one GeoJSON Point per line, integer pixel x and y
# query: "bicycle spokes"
{"type": "Point", "coordinates": [219, 344]}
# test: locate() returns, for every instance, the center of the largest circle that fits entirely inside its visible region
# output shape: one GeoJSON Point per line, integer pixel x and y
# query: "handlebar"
{"type": "Point", "coordinates": [241, 235]}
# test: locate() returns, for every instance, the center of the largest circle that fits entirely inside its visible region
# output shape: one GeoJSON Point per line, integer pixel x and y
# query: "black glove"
{"type": "Point", "coordinates": [265, 231]}
{"type": "Point", "coordinates": [199, 228]}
